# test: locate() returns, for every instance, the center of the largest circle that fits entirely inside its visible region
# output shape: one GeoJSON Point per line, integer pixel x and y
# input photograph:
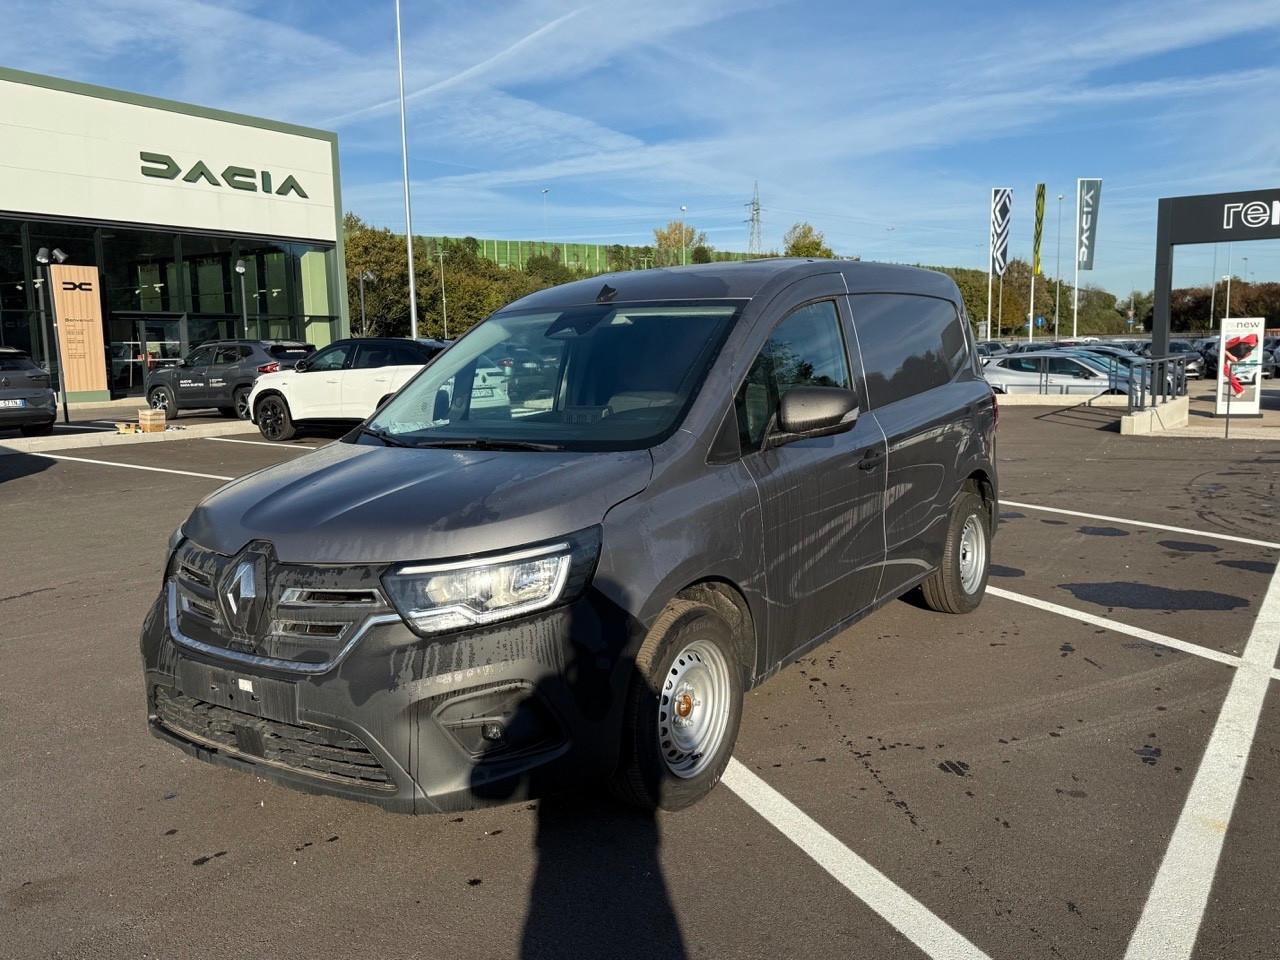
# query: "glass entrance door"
{"type": "Point", "coordinates": [139, 344]}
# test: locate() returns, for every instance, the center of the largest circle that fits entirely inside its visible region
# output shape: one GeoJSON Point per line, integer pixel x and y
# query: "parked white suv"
{"type": "Point", "coordinates": [344, 382]}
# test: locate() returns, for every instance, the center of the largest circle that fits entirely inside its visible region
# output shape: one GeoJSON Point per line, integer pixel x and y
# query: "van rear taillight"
{"type": "Point", "coordinates": [272, 367]}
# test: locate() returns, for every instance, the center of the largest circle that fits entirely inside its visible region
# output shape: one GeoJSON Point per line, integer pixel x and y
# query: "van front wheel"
{"type": "Point", "coordinates": [958, 584]}
{"type": "Point", "coordinates": [683, 709]}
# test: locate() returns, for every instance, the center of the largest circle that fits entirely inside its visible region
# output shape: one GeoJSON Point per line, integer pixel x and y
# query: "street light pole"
{"type": "Point", "coordinates": [545, 191]}
{"type": "Point", "coordinates": [370, 276]}
{"type": "Point", "coordinates": [244, 303]}
{"type": "Point", "coordinates": [683, 208]}
{"type": "Point", "coordinates": [444, 299]}
{"type": "Point", "coordinates": [1057, 272]}
{"type": "Point", "coordinates": [43, 256]}
{"type": "Point", "coordinates": [1226, 314]}
{"type": "Point", "coordinates": [408, 210]}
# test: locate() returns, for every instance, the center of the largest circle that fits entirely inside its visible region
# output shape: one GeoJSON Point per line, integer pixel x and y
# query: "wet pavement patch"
{"type": "Point", "coordinates": [1150, 755]}
{"type": "Point", "coordinates": [1187, 546]}
{"type": "Point", "coordinates": [996, 570]}
{"type": "Point", "coordinates": [1011, 515]}
{"type": "Point", "coordinates": [1253, 566]}
{"type": "Point", "coordinates": [1144, 596]}
{"type": "Point", "coordinates": [1055, 523]}
{"type": "Point", "coordinates": [1104, 531]}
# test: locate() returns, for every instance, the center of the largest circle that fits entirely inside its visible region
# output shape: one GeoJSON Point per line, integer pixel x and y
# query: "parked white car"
{"type": "Point", "coordinates": [343, 382]}
{"type": "Point", "coordinates": [1053, 372]}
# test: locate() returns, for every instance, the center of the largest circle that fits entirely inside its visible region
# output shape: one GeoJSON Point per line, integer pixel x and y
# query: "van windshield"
{"type": "Point", "coordinates": [596, 377]}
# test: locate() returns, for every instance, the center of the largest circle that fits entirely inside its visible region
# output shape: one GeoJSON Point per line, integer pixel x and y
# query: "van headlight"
{"type": "Point", "coordinates": [175, 539]}
{"type": "Point", "coordinates": [437, 597]}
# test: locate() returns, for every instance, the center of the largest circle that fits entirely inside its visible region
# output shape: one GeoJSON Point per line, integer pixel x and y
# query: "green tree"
{"type": "Point", "coordinates": [674, 242]}
{"type": "Point", "coordinates": [701, 254]}
{"type": "Point", "coordinates": [802, 240]}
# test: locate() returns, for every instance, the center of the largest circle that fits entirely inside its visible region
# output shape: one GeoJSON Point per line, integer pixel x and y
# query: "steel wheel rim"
{"type": "Point", "coordinates": [693, 712]}
{"type": "Point", "coordinates": [973, 554]}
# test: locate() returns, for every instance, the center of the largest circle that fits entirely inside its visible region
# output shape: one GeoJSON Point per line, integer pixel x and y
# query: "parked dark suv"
{"type": "Point", "coordinates": [26, 401]}
{"type": "Point", "coordinates": [220, 374]}
{"type": "Point", "coordinates": [446, 609]}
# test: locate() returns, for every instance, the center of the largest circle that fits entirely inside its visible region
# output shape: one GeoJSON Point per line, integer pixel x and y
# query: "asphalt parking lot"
{"type": "Point", "coordinates": [1054, 775]}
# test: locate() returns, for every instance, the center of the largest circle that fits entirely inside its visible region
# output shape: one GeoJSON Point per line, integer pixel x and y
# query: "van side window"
{"type": "Point", "coordinates": [805, 350]}
{"type": "Point", "coordinates": [909, 344]}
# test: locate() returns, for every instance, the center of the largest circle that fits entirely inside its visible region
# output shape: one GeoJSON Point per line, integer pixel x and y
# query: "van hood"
{"type": "Point", "coordinates": [352, 503]}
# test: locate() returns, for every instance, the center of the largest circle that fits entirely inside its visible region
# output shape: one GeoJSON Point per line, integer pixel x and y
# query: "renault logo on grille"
{"type": "Point", "coordinates": [242, 588]}
{"type": "Point", "coordinates": [243, 591]}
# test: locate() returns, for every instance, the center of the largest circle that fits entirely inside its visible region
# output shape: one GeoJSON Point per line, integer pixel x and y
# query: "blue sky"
{"type": "Point", "coordinates": [885, 125]}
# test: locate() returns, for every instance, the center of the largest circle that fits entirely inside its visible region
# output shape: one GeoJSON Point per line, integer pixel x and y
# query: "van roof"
{"type": "Point", "coordinates": [741, 280]}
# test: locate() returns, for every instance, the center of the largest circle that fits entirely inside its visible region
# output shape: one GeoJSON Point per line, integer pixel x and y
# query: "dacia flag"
{"type": "Point", "coordinates": [1035, 251]}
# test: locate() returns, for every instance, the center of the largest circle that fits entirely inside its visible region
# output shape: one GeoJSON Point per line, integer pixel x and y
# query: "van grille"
{"type": "Point", "coordinates": [308, 614]}
{"type": "Point", "coordinates": [320, 752]}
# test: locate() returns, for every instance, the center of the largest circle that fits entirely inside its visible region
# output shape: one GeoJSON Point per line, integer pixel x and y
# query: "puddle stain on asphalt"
{"type": "Point", "coordinates": [1253, 566]}
{"type": "Point", "coordinates": [1055, 523]}
{"type": "Point", "coordinates": [996, 570]}
{"type": "Point", "coordinates": [1187, 546]}
{"type": "Point", "coordinates": [1066, 649]}
{"type": "Point", "coordinates": [1150, 755]}
{"type": "Point", "coordinates": [1145, 596]}
{"type": "Point", "coordinates": [1074, 794]}
{"type": "Point", "coordinates": [1104, 532]}
{"type": "Point", "coordinates": [201, 861]}
{"type": "Point", "coordinates": [1011, 515]}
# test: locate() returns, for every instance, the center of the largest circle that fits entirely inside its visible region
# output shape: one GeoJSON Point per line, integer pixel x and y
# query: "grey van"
{"type": "Point", "coordinates": [696, 476]}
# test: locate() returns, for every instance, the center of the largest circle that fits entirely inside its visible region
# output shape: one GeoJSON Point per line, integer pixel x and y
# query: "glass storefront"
{"type": "Point", "coordinates": [164, 292]}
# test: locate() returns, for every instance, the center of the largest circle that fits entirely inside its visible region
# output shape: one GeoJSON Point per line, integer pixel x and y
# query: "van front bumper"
{"type": "Point", "coordinates": [415, 726]}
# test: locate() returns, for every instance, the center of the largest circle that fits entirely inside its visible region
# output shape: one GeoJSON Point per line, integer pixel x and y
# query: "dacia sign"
{"type": "Point", "coordinates": [165, 167]}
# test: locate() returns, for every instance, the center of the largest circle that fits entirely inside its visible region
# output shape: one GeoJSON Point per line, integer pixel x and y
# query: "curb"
{"type": "Point", "coordinates": [107, 439]}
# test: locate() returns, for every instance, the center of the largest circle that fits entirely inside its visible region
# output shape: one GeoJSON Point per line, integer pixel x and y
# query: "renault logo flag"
{"type": "Point", "coordinates": [1035, 250]}
{"type": "Point", "coordinates": [1088, 200]}
{"type": "Point", "coordinates": [1001, 206]}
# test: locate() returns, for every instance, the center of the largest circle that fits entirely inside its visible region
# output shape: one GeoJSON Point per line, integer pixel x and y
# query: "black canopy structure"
{"type": "Point", "coordinates": [1208, 218]}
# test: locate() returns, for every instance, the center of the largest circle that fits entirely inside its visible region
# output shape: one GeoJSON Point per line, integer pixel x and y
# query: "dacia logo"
{"type": "Point", "coordinates": [1256, 213]}
{"type": "Point", "coordinates": [237, 178]}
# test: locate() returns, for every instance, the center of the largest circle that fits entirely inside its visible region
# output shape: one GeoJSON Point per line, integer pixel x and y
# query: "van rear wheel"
{"type": "Point", "coordinates": [682, 711]}
{"type": "Point", "coordinates": [958, 584]}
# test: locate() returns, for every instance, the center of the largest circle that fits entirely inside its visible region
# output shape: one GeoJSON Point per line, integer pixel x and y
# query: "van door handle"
{"type": "Point", "coordinates": [871, 459]}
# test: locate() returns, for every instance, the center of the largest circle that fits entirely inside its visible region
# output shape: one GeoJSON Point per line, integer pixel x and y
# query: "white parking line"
{"type": "Point", "coordinates": [262, 443]}
{"type": "Point", "coordinates": [1143, 523]}
{"type": "Point", "coordinates": [898, 908]}
{"type": "Point", "coordinates": [132, 466]}
{"type": "Point", "coordinates": [1179, 895]}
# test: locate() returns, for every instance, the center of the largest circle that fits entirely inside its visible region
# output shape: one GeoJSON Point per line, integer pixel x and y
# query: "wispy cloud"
{"type": "Point", "coordinates": [859, 120]}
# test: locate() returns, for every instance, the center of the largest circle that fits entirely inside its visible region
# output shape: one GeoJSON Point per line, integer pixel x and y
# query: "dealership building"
{"type": "Point", "coordinates": [183, 224]}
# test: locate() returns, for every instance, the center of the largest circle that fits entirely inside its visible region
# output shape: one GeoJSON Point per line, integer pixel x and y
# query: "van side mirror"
{"type": "Point", "coordinates": [814, 412]}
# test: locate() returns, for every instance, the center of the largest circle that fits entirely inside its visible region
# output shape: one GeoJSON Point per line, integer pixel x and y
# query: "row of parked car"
{"type": "Point", "coordinates": [283, 386]}
{"type": "Point", "coordinates": [1077, 366]}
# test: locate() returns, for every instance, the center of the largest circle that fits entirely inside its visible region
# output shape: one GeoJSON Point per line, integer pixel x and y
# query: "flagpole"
{"type": "Point", "coordinates": [1031, 315]}
{"type": "Point", "coordinates": [1075, 290]}
{"type": "Point", "coordinates": [1000, 308]}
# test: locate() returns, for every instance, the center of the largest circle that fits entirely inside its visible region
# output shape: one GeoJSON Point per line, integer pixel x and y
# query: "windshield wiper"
{"type": "Point", "coordinates": [386, 438]}
{"type": "Point", "coordinates": [485, 443]}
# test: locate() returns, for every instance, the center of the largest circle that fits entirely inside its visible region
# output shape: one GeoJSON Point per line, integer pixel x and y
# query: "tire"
{"type": "Point", "coordinates": [161, 398]}
{"type": "Point", "coordinates": [958, 584]}
{"type": "Point", "coordinates": [37, 429]}
{"type": "Point", "coordinates": [274, 421]}
{"type": "Point", "coordinates": [688, 653]}
{"type": "Point", "coordinates": [241, 410]}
